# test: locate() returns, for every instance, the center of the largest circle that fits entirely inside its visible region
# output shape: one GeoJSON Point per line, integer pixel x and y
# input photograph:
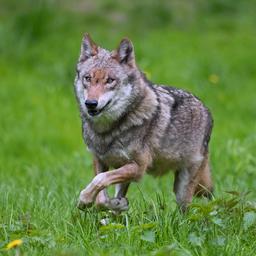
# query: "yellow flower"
{"type": "Point", "coordinates": [214, 79]}
{"type": "Point", "coordinates": [14, 244]}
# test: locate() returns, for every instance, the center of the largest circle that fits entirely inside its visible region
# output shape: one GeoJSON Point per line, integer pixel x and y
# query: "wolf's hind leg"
{"type": "Point", "coordinates": [205, 186]}
{"type": "Point", "coordinates": [184, 187]}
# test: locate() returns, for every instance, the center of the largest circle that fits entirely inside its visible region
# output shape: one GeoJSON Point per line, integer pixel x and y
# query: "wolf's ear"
{"type": "Point", "coordinates": [88, 48]}
{"type": "Point", "coordinates": [125, 53]}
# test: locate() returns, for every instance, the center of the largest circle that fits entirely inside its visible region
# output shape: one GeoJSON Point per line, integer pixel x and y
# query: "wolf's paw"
{"type": "Point", "coordinates": [83, 206]}
{"type": "Point", "coordinates": [102, 205]}
{"type": "Point", "coordinates": [118, 204]}
{"type": "Point", "coordinates": [84, 201]}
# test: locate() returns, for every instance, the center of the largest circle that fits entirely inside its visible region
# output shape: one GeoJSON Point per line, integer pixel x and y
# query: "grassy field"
{"type": "Point", "coordinates": [207, 49]}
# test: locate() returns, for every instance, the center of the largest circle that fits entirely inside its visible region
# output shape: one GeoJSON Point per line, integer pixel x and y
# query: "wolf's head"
{"type": "Point", "coordinates": [107, 83]}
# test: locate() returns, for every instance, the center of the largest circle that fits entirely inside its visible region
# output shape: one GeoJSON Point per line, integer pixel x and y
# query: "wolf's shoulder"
{"type": "Point", "coordinates": [173, 91]}
{"type": "Point", "coordinates": [181, 98]}
{"type": "Point", "coordinates": [167, 90]}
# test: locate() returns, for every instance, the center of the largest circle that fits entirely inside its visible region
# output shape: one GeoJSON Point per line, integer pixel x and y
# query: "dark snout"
{"type": "Point", "coordinates": [91, 104]}
{"type": "Point", "coordinates": [92, 107]}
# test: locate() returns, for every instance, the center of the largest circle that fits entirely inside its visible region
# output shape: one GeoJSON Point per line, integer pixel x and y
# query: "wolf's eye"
{"type": "Point", "coordinates": [86, 79]}
{"type": "Point", "coordinates": [110, 80]}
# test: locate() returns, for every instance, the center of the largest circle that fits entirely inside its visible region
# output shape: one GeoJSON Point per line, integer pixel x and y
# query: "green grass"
{"type": "Point", "coordinates": [44, 163]}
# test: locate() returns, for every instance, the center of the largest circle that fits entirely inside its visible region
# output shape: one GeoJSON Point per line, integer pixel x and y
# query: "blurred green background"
{"type": "Point", "coordinates": [206, 47]}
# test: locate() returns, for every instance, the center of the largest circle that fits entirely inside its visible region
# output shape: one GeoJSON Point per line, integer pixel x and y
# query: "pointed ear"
{"type": "Point", "coordinates": [125, 53]}
{"type": "Point", "coordinates": [88, 48]}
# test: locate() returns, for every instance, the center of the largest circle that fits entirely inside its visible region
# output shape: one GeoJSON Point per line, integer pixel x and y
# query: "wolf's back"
{"type": "Point", "coordinates": [184, 124]}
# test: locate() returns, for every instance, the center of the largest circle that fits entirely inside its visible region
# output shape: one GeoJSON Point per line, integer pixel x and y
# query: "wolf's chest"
{"type": "Point", "coordinates": [116, 158]}
{"type": "Point", "coordinates": [113, 152]}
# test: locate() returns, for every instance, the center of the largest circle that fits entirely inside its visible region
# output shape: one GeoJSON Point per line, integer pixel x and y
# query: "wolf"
{"type": "Point", "coordinates": [133, 126]}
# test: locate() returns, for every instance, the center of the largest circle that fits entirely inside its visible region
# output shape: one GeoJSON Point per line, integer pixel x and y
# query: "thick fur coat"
{"type": "Point", "coordinates": [133, 126]}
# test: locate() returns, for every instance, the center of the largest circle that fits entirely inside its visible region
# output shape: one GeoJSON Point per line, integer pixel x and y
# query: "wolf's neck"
{"type": "Point", "coordinates": [141, 116]}
{"type": "Point", "coordinates": [145, 108]}
{"type": "Point", "coordinates": [142, 109]}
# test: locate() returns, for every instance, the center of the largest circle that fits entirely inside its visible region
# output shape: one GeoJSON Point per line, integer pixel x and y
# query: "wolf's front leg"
{"type": "Point", "coordinates": [102, 198]}
{"type": "Point", "coordinates": [121, 189]}
{"type": "Point", "coordinates": [127, 173]}
{"type": "Point", "coordinates": [120, 203]}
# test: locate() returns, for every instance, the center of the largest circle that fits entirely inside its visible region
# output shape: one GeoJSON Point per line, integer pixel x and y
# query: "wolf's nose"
{"type": "Point", "coordinates": [91, 104]}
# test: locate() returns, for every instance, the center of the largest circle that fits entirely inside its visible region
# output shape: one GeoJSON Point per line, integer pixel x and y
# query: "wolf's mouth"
{"type": "Point", "coordinates": [95, 112]}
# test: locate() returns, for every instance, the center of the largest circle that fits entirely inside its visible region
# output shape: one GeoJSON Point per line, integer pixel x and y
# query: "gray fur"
{"type": "Point", "coordinates": [159, 128]}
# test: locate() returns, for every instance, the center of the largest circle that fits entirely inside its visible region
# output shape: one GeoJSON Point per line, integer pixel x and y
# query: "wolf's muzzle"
{"type": "Point", "coordinates": [92, 107]}
{"type": "Point", "coordinates": [91, 104]}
